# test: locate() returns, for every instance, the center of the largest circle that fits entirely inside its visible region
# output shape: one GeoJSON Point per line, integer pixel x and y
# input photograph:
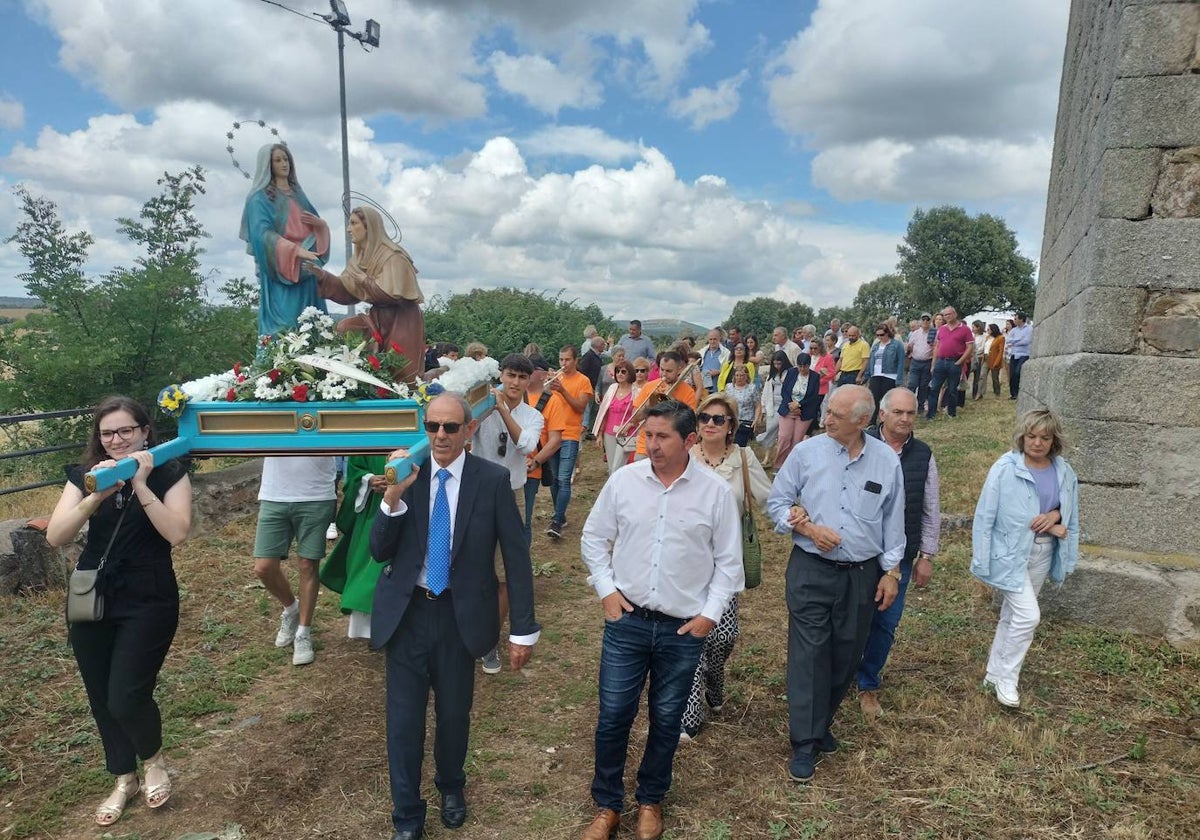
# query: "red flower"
{"type": "Point", "coordinates": [396, 348]}
{"type": "Point", "coordinates": [273, 374]}
{"type": "Point", "coordinates": [231, 395]}
{"type": "Point", "coordinates": [383, 392]}
{"type": "Point", "coordinates": [241, 377]}
{"type": "Point", "coordinates": [300, 392]}
{"type": "Point", "coordinates": [373, 360]}
{"type": "Point", "coordinates": [376, 337]}
{"type": "Point", "coordinates": [237, 367]}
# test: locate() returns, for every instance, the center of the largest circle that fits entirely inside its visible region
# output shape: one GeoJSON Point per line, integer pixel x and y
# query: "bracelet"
{"type": "Point", "coordinates": [153, 499]}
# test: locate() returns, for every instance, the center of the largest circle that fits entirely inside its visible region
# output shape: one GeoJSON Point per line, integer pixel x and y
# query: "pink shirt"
{"type": "Point", "coordinates": [619, 411]}
{"type": "Point", "coordinates": [952, 343]}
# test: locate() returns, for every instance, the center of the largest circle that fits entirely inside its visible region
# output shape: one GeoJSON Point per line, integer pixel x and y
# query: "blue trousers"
{"type": "Point", "coordinates": [883, 634]}
{"type": "Point", "coordinates": [945, 372]}
{"type": "Point", "coordinates": [563, 464]}
{"type": "Point", "coordinates": [531, 490]}
{"type": "Point", "coordinates": [919, 374]}
{"type": "Point", "coordinates": [1014, 375]}
{"type": "Point", "coordinates": [633, 648]}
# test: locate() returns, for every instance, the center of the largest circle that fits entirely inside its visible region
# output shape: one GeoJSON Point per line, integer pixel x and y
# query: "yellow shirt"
{"type": "Point", "coordinates": [855, 355]}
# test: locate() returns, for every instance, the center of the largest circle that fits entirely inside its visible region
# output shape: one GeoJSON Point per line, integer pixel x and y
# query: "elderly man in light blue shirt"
{"type": "Point", "coordinates": [1017, 345]}
{"type": "Point", "coordinates": [841, 497]}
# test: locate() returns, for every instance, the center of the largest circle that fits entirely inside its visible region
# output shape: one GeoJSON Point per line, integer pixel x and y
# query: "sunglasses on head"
{"type": "Point", "coordinates": [433, 427]}
{"type": "Point", "coordinates": [715, 419]}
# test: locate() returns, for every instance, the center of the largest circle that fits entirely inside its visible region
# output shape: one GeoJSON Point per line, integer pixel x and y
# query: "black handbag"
{"type": "Point", "coordinates": [85, 601]}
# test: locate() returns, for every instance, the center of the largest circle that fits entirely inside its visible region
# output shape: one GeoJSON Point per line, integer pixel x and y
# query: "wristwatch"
{"type": "Point", "coordinates": [894, 573]}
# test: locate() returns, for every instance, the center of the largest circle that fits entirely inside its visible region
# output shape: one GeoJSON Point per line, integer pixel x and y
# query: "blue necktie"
{"type": "Point", "coordinates": [437, 561]}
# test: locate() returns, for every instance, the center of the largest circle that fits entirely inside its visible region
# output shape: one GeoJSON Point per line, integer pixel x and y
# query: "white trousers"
{"type": "Point", "coordinates": [617, 455]}
{"type": "Point", "coordinates": [1019, 617]}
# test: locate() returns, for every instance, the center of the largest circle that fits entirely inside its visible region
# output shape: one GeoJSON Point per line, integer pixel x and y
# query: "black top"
{"type": "Point", "coordinates": [590, 364]}
{"type": "Point", "coordinates": [138, 543]}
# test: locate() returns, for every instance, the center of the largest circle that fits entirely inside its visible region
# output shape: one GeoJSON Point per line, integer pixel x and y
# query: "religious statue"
{"type": "Point", "coordinates": [382, 274]}
{"type": "Point", "coordinates": [287, 238]}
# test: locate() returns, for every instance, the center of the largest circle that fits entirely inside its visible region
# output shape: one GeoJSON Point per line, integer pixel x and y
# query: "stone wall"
{"type": "Point", "coordinates": [1116, 347]}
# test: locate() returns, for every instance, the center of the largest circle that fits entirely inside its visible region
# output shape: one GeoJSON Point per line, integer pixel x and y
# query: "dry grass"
{"type": "Point", "coordinates": [1107, 745]}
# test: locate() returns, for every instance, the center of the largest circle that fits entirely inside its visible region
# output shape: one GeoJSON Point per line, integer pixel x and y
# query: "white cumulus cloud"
{"type": "Point", "coordinates": [543, 84]}
{"type": "Point", "coordinates": [583, 141]}
{"type": "Point", "coordinates": [704, 105]}
{"type": "Point", "coordinates": [12, 113]}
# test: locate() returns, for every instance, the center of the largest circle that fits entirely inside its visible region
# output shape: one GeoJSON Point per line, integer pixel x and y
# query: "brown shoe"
{"type": "Point", "coordinates": [649, 825]}
{"type": "Point", "coordinates": [868, 701]}
{"type": "Point", "coordinates": [604, 826]}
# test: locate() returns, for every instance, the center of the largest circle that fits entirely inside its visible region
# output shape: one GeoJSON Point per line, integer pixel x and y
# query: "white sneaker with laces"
{"type": "Point", "coordinates": [491, 662]}
{"type": "Point", "coordinates": [331, 533]}
{"type": "Point", "coordinates": [288, 623]}
{"type": "Point", "coordinates": [302, 651]}
{"type": "Point", "coordinates": [1006, 695]}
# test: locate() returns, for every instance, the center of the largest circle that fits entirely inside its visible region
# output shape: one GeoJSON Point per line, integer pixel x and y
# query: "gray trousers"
{"type": "Point", "coordinates": [829, 620]}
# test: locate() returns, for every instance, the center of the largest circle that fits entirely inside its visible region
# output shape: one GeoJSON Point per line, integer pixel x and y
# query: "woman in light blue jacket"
{"type": "Point", "coordinates": [885, 365]}
{"type": "Point", "coordinates": [1026, 527]}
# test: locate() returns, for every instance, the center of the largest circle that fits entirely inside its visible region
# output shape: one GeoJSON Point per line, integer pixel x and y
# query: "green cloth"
{"type": "Point", "coordinates": [349, 568]}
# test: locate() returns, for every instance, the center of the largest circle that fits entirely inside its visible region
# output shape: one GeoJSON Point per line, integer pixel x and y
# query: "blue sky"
{"type": "Point", "coordinates": [661, 159]}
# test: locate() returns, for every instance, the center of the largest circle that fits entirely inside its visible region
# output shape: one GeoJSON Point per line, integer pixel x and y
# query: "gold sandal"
{"type": "Point", "coordinates": [157, 793]}
{"type": "Point", "coordinates": [110, 809]}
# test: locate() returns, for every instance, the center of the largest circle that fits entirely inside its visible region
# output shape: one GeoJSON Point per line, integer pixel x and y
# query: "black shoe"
{"type": "Point", "coordinates": [827, 745]}
{"type": "Point", "coordinates": [800, 769]}
{"type": "Point", "coordinates": [454, 810]}
{"type": "Point", "coordinates": [409, 834]}
{"type": "Point", "coordinates": [555, 530]}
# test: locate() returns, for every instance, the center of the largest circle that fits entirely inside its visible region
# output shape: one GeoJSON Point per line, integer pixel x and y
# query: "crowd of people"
{"type": "Point", "coordinates": [431, 567]}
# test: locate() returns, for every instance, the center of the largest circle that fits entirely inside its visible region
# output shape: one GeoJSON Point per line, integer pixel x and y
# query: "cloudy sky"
{"type": "Point", "coordinates": [662, 158]}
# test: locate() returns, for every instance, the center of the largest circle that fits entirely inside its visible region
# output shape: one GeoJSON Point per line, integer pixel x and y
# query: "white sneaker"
{"type": "Point", "coordinates": [331, 533]}
{"type": "Point", "coordinates": [302, 651]}
{"type": "Point", "coordinates": [288, 623]}
{"type": "Point", "coordinates": [1006, 695]}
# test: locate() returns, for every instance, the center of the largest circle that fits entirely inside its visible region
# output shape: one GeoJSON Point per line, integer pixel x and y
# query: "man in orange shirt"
{"type": "Point", "coordinates": [554, 412]}
{"type": "Point", "coordinates": [670, 366]}
{"type": "Point", "coordinates": [575, 390]}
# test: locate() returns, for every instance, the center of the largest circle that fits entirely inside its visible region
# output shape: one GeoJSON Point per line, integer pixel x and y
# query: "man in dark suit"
{"type": "Point", "coordinates": [435, 609]}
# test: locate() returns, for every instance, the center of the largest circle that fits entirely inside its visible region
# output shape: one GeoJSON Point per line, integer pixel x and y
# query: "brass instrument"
{"type": "Point", "coordinates": [550, 381]}
{"type": "Point", "coordinates": [654, 399]}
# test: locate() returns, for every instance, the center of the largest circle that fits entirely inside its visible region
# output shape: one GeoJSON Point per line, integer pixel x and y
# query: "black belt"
{"type": "Point", "coordinates": [429, 596]}
{"type": "Point", "coordinates": [652, 615]}
{"type": "Point", "coordinates": [841, 564]}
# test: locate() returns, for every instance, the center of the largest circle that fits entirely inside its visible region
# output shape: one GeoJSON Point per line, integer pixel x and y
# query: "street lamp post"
{"type": "Point", "coordinates": [339, 19]}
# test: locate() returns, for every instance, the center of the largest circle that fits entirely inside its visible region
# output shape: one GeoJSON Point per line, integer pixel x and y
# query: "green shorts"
{"type": "Point", "coordinates": [280, 522]}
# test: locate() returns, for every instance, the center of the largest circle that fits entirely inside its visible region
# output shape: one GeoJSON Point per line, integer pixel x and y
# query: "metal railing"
{"type": "Point", "coordinates": [15, 419]}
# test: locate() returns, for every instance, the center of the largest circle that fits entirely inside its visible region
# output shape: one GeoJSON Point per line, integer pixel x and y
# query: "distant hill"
{"type": "Point", "coordinates": [666, 328]}
{"type": "Point", "coordinates": [20, 303]}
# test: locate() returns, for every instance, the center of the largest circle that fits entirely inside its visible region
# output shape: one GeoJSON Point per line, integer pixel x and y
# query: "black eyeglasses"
{"type": "Point", "coordinates": [124, 433]}
{"type": "Point", "coordinates": [715, 419]}
{"type": "Point", "coordinates": [502, 449]}
{"type": "Point", "coordinates": [434, 427]}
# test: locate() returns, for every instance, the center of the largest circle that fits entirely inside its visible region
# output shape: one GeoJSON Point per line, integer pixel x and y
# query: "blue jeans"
{"type": "Point", "coordinates": [945, 372]}
{"type": "Point", "coordinates": [531, 490]}
{"type": "Point", "coordinates": [1014, 375]}
{"type": "Point", "coordinates": [634, 647]}
{"type": "Point", "coordinates": [919, 373]}
{"type": "Point", "coordinates": [563, 464]}
{"type": "Point", "coordinates": [883, 633]}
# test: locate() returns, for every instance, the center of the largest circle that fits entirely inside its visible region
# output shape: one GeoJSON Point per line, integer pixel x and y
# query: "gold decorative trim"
{"type": "Point", "coordinates": [307, 422]}
{"type": "Point", "coordinates": [368, 420]}
{"type": "Point", "coordinates": [279, 422]}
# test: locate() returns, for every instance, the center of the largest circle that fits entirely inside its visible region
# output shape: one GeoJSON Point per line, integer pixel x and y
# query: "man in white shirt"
{"type": "Point", "coordinates": [664, 550]}
{"type": "Point", "coordinates": [507, 436]}
{"type": "Point", "coordinates": [296, 500]}
{"type": "Point", "coordinates": [780, 338]}
{"type": "Point", "coordinates": [919, 350]}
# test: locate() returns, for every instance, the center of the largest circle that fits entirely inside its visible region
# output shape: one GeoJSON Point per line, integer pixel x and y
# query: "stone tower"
{"type": "Point", "coordinates": [1116, 347]}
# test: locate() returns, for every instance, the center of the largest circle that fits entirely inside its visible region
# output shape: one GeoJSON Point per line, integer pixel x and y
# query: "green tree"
{"type": "Point", "coordinates": [507, 319]}
{"type": "Point", "coordinates": [761, 315]}
{"type": "Point", "coordinates": [887, 295]}
{"type": "Point", "coordinates": [971, 263]}
{"type": "Point", "coordinates": [132, 330]}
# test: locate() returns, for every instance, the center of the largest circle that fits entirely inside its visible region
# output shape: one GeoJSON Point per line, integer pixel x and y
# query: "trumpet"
{"type": "Point", "coordinates": [659, 396]}
{"type": "Point", "coordinates": [550, 381]}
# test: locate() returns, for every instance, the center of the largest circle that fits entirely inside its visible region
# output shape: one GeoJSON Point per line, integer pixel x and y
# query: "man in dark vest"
{"type": "Point", "coordinates": [922, 527]}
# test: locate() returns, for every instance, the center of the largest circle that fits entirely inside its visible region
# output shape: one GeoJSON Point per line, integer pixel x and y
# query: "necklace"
{"type": "Point", "coordinates": [720, 461]}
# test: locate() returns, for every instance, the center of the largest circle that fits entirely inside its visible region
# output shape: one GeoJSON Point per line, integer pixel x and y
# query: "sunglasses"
{"type": "Point", "coordinates": [622, 373]}
{"type": "Point", "coordinates": [715, 419]}
{"type": "Point", "coordinates": [641, 370]}
{"type": "Point", "coordinates": [433, 427]}
{"type": "Point", "coordinates": [502, 449]}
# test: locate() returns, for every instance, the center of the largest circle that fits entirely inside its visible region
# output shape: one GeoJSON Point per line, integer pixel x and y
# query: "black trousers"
{"type": "Point", "coordinates": [829, 619]}
{"type": "Point", "coordinates": [879, 386]}
{"type": "Point", "coordinates": [119, 659]}
{"type": "Point", "coordinates": [425, 652]}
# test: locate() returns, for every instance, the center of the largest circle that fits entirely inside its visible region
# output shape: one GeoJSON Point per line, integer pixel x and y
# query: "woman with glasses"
{"type": "Point", "coordinates": [755, 355]}
{"type": "Point", "coordinates": [799, 404]}
{"type": "Point", "coordinates": [884, 365]}
{"type": "Point", "coordinates": [716, 450]}
{"type": "Point", "coordinates": [737, 357]}
{"type": "Point", "coordinates": [769, 400]}
{"type": "Point", "coordinates": [744, 393]}
{"type": "Point", "coordinates": [825, 365]}
{"type": "Point", "coordinates": [608, 373]}
{"type": "Point", "coordinates": [1026, 529]}
{"type": "Point", "coordinates": [612, 418]}
{"type": "Point", "coordinates": [132, 527]}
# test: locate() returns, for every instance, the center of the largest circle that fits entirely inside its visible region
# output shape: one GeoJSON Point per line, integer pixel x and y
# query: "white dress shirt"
{"type": "Point", "coordinates": [485, 443]}
{"type": "Point", "coordinates": [676, 550]}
